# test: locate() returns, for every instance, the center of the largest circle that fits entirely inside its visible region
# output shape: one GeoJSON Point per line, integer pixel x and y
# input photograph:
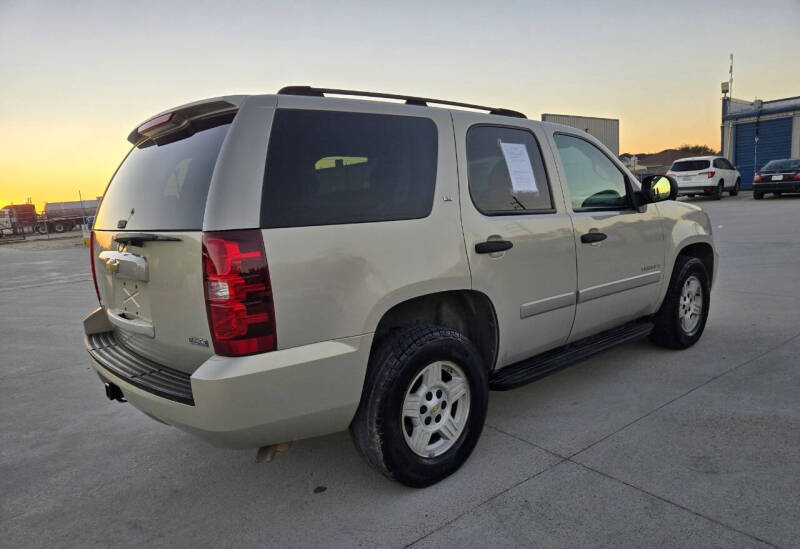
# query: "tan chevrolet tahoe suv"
{"type": "Point", "coordinates": [276, 267]}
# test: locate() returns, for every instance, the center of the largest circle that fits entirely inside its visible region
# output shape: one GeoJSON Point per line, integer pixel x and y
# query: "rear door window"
{"type": "Point", "coordinates": [506, 172]}
{"type": "Point", "coordinates": [163, 187]}
{"type": "Point", "coordinates": [690, 165]}
{"type": "Point", "coordinates": [327, 168]}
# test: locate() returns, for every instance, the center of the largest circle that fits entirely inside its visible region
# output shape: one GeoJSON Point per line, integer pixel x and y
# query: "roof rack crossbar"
{"type": "Point", "coordinates": [409, 99]}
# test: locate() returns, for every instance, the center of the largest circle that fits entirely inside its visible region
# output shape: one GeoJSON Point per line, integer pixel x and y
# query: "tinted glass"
{"type": "Point", "coordinates": [163, 187]}
{"type": "Point", "coordinates": [327, 168]}
{"type": "Point", "coordinates": [719, 164]}
{"type": "Point", "coordinates": [506, 171]}
{"type": "Point", "coordinates": [593, 180]}
{"type": "Point", "coordinates": [690, 165]}
{"type": "Point", "coordinates": [726, 165]}
{"type": "Point", "coordinates": [787, 164]}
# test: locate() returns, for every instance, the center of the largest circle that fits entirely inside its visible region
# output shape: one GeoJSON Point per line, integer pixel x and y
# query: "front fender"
{"type": "Point", "coordinates": [684, 225]}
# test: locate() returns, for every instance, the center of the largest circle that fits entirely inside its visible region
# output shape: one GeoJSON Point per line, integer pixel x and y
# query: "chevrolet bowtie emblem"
{"type": "Point", "coordinates": [112, 265]}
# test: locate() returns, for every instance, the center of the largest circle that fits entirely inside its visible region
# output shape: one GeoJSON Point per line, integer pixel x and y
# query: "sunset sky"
{"type": "Point", "coordinates": [77, 76]}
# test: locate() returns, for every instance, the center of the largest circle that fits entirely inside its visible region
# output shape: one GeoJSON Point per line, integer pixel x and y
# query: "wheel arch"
{"type": "Point", "coordinates": [702, 251]}
{"type": "Point", "coordinates": [469, 312]}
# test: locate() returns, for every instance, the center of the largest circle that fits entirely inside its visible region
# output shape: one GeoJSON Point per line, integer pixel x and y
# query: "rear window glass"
{"type": "Point", "coordinates": [789, 164]}
{"type": "Point", "coordinates": [690, 165]}
{"type": "Point", "coordinates": [326, 168]}
{"type": "Point", "coordinates": [163, 187]}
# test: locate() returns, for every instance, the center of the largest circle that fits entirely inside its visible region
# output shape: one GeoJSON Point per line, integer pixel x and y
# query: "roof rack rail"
{"type": "Point", "coordinates": [409, 99]}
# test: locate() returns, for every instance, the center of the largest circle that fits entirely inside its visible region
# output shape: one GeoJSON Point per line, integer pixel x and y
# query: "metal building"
{"type": "Point", "coordinates": [755, 132]}
{"type": "Point", "coordinates": [604, 129]}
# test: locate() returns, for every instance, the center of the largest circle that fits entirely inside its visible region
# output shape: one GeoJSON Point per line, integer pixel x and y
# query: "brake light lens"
{"type": "Point", "coordinates": [156, 122]}
{"type": "Point", "coordinates": [91, 261]}
{"type": "Point", "coordinates": [241, 315]}
{"type": "Point", "coordinates": [757, 177]}
{"type": "Point", "coordinates": [670, 174]}
{"type": "Point", "coordinates": [797, 176]}
{"type": "Point", "coordinates": [709, 174]}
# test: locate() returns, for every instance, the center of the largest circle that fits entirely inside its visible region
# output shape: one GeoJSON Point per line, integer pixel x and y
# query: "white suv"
{"type": "Point", "coordinates": [710, 175]}
{"type": "Point", "coordinates": [276, 267]}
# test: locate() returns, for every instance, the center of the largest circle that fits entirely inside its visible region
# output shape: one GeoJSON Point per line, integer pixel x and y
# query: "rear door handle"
{"type": "Point", "coordinates": [492, 246]}
{"type": "Point", "coordinates": [588, 238]}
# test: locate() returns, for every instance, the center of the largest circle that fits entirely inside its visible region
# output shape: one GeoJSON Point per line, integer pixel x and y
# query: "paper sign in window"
{"type": "Point", "coordinates": [519, 167]}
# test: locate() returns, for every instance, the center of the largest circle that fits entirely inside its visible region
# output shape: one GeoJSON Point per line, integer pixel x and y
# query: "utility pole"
{"type": "Point", "coordinates": [730, 78]}
{"type": "Point", "coordinates": [83, 209]}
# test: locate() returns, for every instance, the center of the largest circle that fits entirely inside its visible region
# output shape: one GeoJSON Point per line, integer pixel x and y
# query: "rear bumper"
{"type": "Point", "coordinates": [790, 186]}
{"type": "Point", "coordinates": [696, 190]}
{"type": "Point", "coordinates": [261, 399]}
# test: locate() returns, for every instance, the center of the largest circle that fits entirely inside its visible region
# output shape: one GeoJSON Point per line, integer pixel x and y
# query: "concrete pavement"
{"type": "Point", "coordinates": [638, 446]}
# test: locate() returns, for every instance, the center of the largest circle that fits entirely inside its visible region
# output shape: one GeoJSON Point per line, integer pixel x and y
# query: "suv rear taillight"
{"type": "Point", "coordinates": [91, 260]}
{"type": "Point", "coordinates": [238, 293]}
{"type": "Point", "coordinates": [709, 174]}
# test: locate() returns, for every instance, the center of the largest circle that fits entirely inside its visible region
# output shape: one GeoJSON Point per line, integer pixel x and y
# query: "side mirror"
{"type": "Point", "coordinates": [656, 188]}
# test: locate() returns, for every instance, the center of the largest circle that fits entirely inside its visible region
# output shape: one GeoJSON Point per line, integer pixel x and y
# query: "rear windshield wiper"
{"type": "Point", "coordinates": [138, 239]}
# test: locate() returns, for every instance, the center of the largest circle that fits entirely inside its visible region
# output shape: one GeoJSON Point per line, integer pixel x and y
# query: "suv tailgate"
{"type": "Point", "coordinates": [147, 249]}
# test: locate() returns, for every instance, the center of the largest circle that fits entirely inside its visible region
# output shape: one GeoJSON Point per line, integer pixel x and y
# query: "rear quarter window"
{"type": "Point", "coordinates": [328, 168]}
{"type": "Point", "coordinates": [163, 187]}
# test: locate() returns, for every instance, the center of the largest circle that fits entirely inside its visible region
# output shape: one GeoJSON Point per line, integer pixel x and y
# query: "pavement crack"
{"type": "Point", "coordinates": [670, 502]}
{"type": "Point", "coordinates": [487, 500]}
{"type": "Point", "coordinates": [528, 442]}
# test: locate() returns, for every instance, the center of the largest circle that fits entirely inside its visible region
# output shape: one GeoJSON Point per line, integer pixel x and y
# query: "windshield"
{"type": "Point", "coordinates": [690, 165]}
{"type": "Point", "coordinates": [163, 187]}
{"type": "Point", "coordinates": [787, 164]}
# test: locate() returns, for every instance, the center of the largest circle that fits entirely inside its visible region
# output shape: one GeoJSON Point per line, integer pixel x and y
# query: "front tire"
{"type": "Point", "coordinates": [680, 321]}
{"type": "Point", "coordinates": [423, 406]}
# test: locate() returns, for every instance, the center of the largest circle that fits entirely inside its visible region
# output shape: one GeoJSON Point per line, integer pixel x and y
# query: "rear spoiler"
{"type": "Point", "coordinates": [180, 118]}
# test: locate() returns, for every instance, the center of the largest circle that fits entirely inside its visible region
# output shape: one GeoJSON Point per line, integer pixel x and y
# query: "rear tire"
{"type": "Point", "coordinates": [758, 195]}
{"type": "Point", "coordinates": [404, 406]}
{"type": "Point", "coordinates": [718, 191]}
{"type": "Point", "coordinates": [735, 189]}
{"type": "Point", "coordinates": [680, 321]}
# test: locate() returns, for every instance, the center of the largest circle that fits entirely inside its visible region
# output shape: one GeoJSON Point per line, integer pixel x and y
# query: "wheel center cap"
{"type": "Point", "coordinates": [435, 408]}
